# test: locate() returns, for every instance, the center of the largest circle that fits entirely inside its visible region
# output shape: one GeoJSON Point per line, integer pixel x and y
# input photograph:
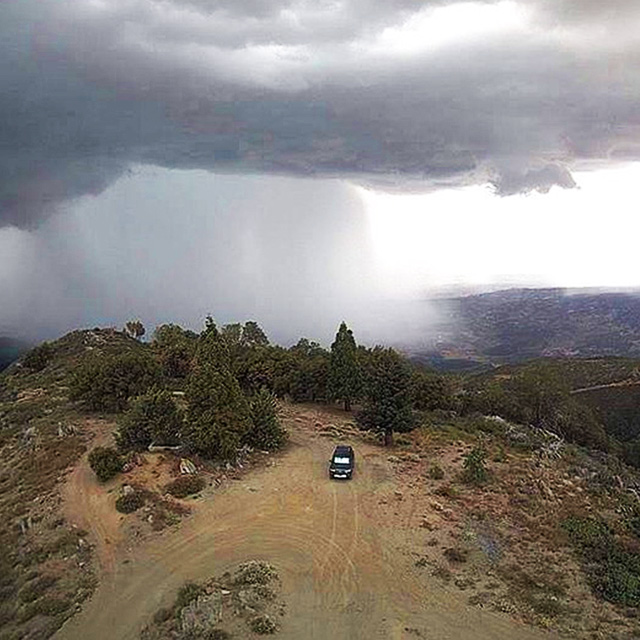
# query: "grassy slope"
{"type": "Point", "coordinates": [46, 570]}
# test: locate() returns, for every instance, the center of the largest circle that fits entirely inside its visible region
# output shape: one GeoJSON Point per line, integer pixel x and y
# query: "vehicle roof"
{"type": "Point", "coordinates": [344, 448]}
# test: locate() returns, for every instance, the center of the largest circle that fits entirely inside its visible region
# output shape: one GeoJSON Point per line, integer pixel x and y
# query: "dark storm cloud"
{"type": "Point", "coordinates": [90, 87]}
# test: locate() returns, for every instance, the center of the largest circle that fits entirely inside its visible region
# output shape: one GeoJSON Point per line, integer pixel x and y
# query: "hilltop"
{"type": "Point", "coordinates": [471, 526]}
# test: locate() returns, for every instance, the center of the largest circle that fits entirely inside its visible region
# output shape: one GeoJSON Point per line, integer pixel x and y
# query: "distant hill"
{"type": "Point", "coordinates": [519, 324]}
{"type": "Point", "coordinates": [10, 350]}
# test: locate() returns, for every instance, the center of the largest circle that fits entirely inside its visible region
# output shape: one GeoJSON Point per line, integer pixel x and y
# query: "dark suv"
{"type": "Point", "coordinates": [343, 462]}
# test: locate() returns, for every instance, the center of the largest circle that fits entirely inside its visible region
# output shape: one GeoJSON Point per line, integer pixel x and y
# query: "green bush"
{"type": "Point", "coordinates": [50, 606]}
{"type": "Point", "coordinates": [475, 470]}
{"type": "Point", "coordinates": [263, 625]}
{"type": "Point", "coordinates": [105, 462]}
{"type": "Point", "coordinates": [106, 382]}
{"type": "Point", "coordinates": [255, 572]}
{"type": "Point", "coordinates": [39, 357]}
{"type": "Point", "coordinates": [456, 554]}
{"type": "Point", "coordinates": [36, 588]}
{"type": "Point", "coordinates": [130, 502]}
{"type": "Point", "coordinates": [187, 593]}
{"type": "Point", "coordinates": [613, 571]}
{"type": "Point", "coordinates": [152, 418]}
{"type": "Point", "coordinates": [162, 615]}
{"type": "Point", "coordinates": [435, 472]}
{"type": "Point", "coordinates": [186, 485]}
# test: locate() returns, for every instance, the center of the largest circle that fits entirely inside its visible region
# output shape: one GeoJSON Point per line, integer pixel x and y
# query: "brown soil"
{"type": "Point", "coordinates": [345, 550]}
{"type": "Point", "coordinates": [90, 504]}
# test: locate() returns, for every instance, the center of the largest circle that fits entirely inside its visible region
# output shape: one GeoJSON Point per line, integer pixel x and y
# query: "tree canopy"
{"type": "Point", "coordinates": [218, 416]}
{"type": "Point", "coordinates": [345, 380]}
{"type": "Point", "coordinates": [388, 397]}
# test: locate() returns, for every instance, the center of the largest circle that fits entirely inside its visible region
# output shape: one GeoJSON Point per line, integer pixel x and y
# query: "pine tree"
{"type": "Point", "coordinates": [218, 416]}
{"type": "Point", "coordinates": [135, 329]}
{"type": "Point", "coordinates": [345, 380]}
{"type": "Point", "coordinates": [253, 335]}
{"type": "Point", "coordinates": [152, 418]}
{"type": "Point", "coordinates": [388, 405]}
{"type": "Point", "coordinates": [266, 431]}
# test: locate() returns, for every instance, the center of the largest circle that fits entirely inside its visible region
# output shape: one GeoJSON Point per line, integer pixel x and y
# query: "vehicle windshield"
{"type": "Point", "coordinates": [341, 460]}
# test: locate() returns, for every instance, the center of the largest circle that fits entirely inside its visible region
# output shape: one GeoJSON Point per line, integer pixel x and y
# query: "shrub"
{"type": "Point", "coordinates": [475, 470]}
{"type": "Point", "coordinates": [129, 502]}
{"type": "Point", "coordinates": [613, 571]}
{"type": "Point", "coordinates": [50, 606]}
{"type": "Point", "coordinates": [263, 624]}
{"type": "Point", "coordinates": [448, 491]}
{"type": "Point", "coordinates": [162, 615]}
{"type": "Point", "coordinates": [255, 572]}
{"type": "Point", "coordinates": [456, 554]}
{"type": "Point", "coordinates": [105, 462]}
{"type": "Point", "coordinates": [185, 486]}
{"type": "Point", "coordinates": [435, 472]}
{"type": "Point", "coordinates": [38, 358]}
{"type": "Point", "coordinates": [152, 417]}
{"type": "Point", "coordinates": [265, 432]}
{"type": "Point", "coordinates": [187, 593]}
{"type": "Point", "coordinates": [34, 589]}
{"type": "Point", "coordinates": [105, 383]}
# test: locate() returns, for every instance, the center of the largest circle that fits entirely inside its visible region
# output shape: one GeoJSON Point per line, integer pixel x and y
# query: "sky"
{"type": "Point", "coordinates": [305, 161]}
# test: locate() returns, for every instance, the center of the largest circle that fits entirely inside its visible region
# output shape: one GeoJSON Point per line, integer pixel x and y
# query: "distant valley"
{"type": "Point", "coordinates": [513, 325]}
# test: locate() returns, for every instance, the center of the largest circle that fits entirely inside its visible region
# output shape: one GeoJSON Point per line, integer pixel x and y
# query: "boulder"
{"type": "Point", "coordinates": [202, 614]}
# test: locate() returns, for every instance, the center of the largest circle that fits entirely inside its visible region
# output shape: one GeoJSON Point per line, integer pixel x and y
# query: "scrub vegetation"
{"type": "Point", "coordinates": [213, 397]}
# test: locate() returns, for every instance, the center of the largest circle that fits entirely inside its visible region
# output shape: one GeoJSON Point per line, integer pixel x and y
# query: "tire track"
{"type": "Point", "coordinates": [342, 576]}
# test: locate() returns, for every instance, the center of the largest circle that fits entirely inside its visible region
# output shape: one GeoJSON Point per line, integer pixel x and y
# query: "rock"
{"type": "Point", "coordinates": [393, 459]}
{"type": "Point", "coordinates": [202, 614]}
{"type": "Point", "coordinates": [398, 494]}
{"type": "Point", "coordinates": [427, 524]}
{"type": "Point", "coordinates": [437, 506]}
{"type": "Point", "coordinates": [187, 467]}
{"type": "Point", "coordinates": [127, 490]}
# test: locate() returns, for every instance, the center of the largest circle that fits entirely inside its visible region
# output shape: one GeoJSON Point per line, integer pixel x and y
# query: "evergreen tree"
{"type": "Point", "coordinates": [388, 405]}
{"type": "Point", "coordinates": [135, 329]}
{"type": "Point", "coordinates": [152, 418]}
{"type": "Point", "coordinates": [253, 335]}
{"type": "Point", "coordinates": [218, 416]}
{"type": "Point", "coordinates": [345, 381]}
{"type": "Point", "coordinates": [174, 348]}
{"type": "Point", "coordinates": [266, 431]}
{"type": "Point", "coordinates": [106, 382]}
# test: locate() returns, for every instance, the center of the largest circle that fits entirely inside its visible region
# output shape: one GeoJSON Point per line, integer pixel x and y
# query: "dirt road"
{"type": "Point", "coordinates": [344, 575]}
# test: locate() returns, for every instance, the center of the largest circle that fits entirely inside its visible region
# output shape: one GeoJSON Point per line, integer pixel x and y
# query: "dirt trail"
{"type": "Point", "coordinates": [88, 505]}
{"type": "Point", "coordinates": [343, 575]}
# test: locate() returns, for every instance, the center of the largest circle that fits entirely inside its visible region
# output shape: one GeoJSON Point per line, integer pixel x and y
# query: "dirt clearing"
{"type": "Point", "coordinates": [346, 573]}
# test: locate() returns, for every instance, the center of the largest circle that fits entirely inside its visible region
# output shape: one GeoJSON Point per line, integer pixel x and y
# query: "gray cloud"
{"type": "Point", "coordinates": [293, 254]}
{"type": "Point", "coordinates": [89, 88]}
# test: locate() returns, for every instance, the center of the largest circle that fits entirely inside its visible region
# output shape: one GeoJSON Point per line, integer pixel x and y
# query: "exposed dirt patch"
{"type": "Point", "coordinates": [347, 567]}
